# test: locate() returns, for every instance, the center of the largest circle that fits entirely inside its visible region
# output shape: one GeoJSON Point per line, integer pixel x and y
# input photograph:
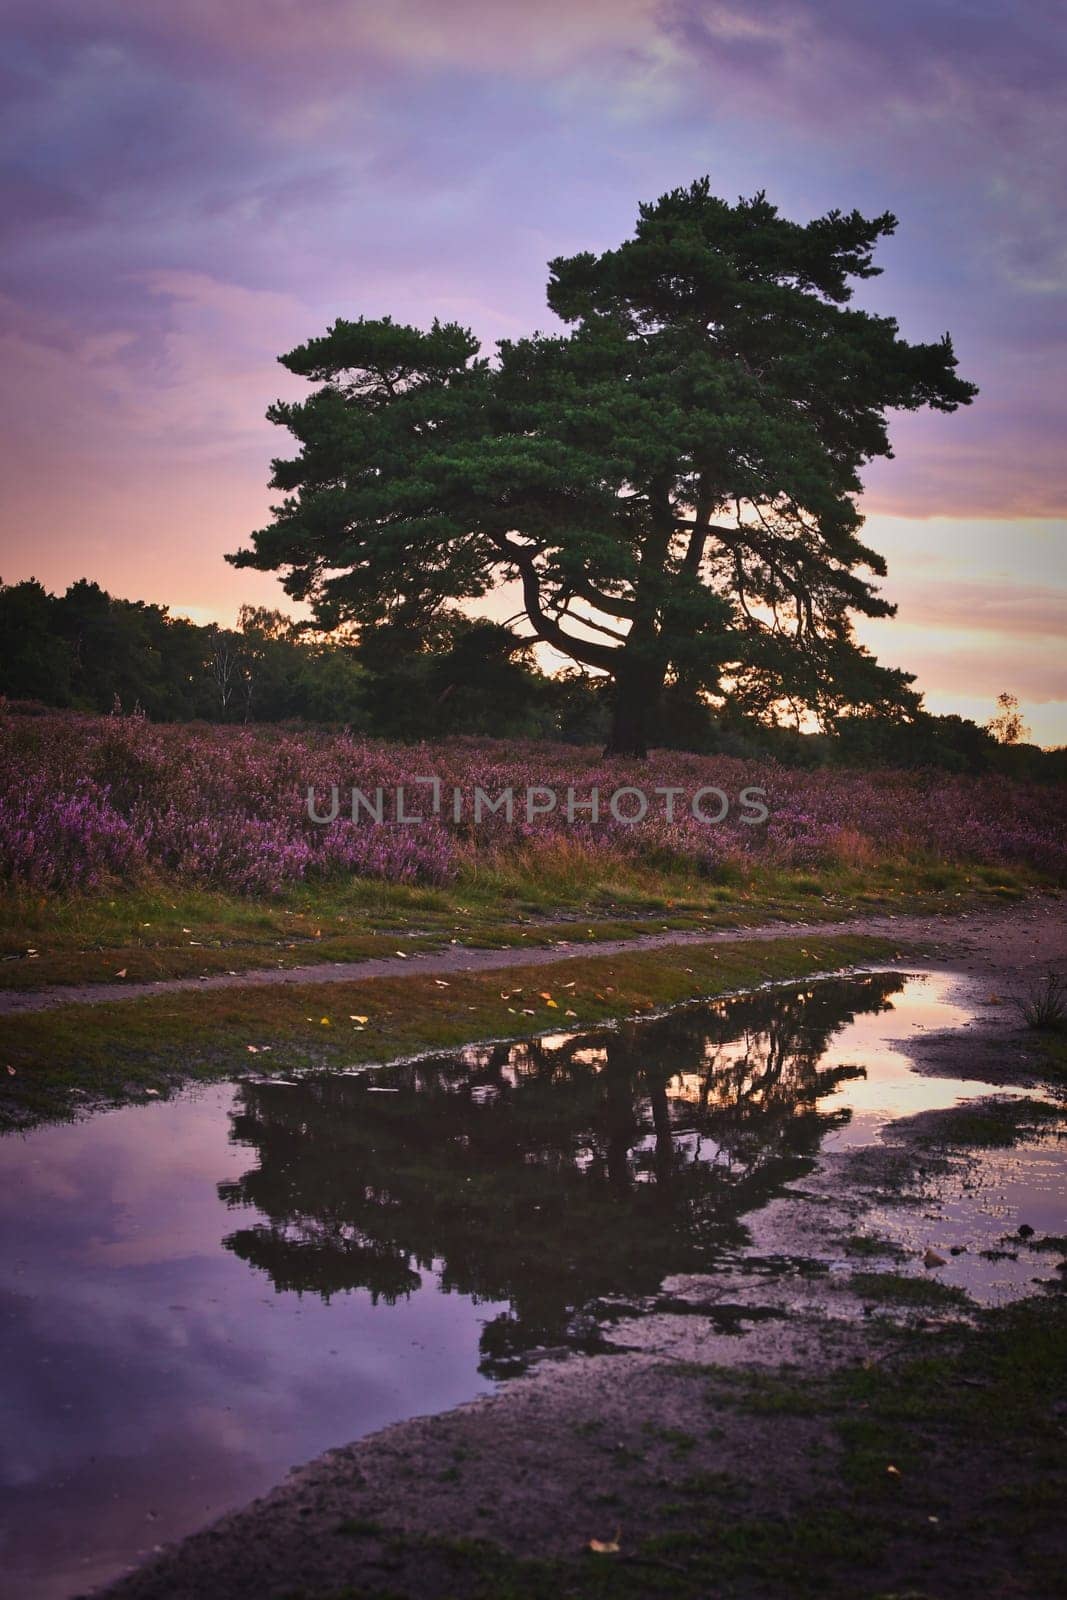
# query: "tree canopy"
{"type": "Point", "coordinates": [673, 479]}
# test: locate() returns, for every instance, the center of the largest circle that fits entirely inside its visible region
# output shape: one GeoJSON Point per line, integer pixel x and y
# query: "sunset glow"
{"type": "Point", "coordinates": [192, 189]}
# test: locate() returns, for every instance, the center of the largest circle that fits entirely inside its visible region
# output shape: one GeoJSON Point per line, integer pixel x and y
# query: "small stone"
{"type": "Point", "coordinates": [932, 1259]}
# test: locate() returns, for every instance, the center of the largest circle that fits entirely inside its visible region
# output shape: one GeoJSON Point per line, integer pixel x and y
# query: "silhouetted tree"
{"type": "Point", "coordinates": [673, 482]}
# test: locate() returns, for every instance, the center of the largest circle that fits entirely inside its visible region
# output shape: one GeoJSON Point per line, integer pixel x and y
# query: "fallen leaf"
{"type": "Point", "coordinates": [11, 1072]}
{"type": "Point", "coordinates": [325, 1021]}
{"type": "Point", "coordinates": [932, 1259]}
{"type": "Point", "coordinates": [894, 1472]}
{"type": "Point", "coordinates": [121, 973]}
{"type": "Point", "coordinates": [605, 1547]}
{"type": "Point", "coordinates": [553, 1004]}
{"type": "Point", "coordinates": [252, 1049]}
{"type": "Point", "coordinates": [570, 1013]}
{"type": "Point", "coordinates": [403, 956]}
{"type": "Point", "coordinates": [440, 982]}
{"type": "Point", "coordinates": [354, 1018]}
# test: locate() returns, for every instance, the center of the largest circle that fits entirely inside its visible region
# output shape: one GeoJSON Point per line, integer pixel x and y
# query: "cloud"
{"type": "Point", "coordinates": [972, 663]}
{"type": "Point", "coordinates": [198, 389]}
{"type": "Point", "coordinates": [1020, 611]}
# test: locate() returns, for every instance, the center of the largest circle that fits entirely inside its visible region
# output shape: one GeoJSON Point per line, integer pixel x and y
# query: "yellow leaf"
{"type": "Point", "coordinates": [325, 1021]}
{"type": "Point", "coordinates": [360, 1020]}
{"type": "Point", "coordinates": [553, 1004]}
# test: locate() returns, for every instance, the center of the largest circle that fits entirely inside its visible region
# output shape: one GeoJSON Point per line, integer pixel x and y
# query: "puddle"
{"type": "Point", "coordinates": [890, 1086]}
{"type": "Point", "coordinates": [199, 1293]}
{"type": "Point", "coordinates": [976, 1209]}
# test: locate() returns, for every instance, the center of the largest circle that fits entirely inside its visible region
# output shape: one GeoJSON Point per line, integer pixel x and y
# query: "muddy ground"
{"type": "Point", "coordinates": [823, 1416]}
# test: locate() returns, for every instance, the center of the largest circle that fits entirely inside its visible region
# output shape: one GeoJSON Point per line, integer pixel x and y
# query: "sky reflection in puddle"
{"type": "Point", "coordinates": [197, 1294]}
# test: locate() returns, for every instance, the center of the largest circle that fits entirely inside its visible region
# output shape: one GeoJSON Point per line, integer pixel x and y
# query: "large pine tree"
{"type": "Point", "coordinates": [673, 480]}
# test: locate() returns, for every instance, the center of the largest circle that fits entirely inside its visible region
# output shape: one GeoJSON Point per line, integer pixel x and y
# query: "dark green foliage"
{"type": "Point", "coordinates": [90, 652]}
{"type": "Point", "coordinates": [460, 677]}
{"type": "Point", "coordinates": [35, 664]}
{"type": "Point", "coordinates": [86, 650]}
{"type": "Point", "coordinates": [673, 481]}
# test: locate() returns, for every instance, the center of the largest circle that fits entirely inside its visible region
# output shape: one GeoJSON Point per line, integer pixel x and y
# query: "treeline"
{"type": "Point", "coordinates": [88, 651]}
{"type": "Point", "coordinates": [85, 650]}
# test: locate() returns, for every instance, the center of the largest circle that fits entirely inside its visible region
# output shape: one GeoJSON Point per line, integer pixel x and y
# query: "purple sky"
{"type": "Point", "coordinates": [192, 187]}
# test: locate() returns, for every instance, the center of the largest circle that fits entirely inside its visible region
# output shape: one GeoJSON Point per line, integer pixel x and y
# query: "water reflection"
{"type": "Point", "coordinates": [149, 1379]}
{"type": "Point", "coordinates": [546, 1174]}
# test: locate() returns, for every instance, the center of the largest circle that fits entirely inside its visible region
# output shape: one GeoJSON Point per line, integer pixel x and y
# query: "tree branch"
{"type": "Point", "coordinates": [612, 605]}
{"type": "Point", "coordinates": [546, 628]}
{"type": "Point", "coordinates": [588, 622]}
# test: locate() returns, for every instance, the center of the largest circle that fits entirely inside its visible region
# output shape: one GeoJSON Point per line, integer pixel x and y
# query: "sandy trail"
{"type": "Point", "coordinates": [997, 936]}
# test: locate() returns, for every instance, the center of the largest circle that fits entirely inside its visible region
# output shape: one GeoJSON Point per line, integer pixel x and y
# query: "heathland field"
{"type": "Point", "coordinates": [116, 833]}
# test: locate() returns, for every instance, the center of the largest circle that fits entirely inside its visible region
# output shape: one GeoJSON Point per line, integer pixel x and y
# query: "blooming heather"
{"type": "Point", "coordinates": [89, 801]}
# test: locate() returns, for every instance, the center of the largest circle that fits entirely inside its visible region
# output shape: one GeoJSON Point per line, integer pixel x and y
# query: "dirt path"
{"type": "Point", "coordinates": [999, 935]}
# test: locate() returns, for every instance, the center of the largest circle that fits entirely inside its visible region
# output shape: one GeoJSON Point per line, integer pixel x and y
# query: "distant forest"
{"type": "Point", "coordinates": [87, 651]}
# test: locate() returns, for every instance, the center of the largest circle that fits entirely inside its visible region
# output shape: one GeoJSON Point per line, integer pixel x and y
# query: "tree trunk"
{"type": "Point", "coordinates": [635, 702]}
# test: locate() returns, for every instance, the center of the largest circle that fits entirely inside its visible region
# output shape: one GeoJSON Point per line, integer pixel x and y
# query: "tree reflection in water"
{"type": "Point", "coordinates": [549, 1173]}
